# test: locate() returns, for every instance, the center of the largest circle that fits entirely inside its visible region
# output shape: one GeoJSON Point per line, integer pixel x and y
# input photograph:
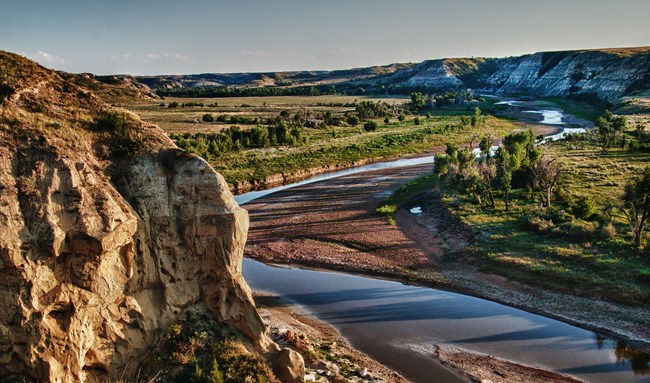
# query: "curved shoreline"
{"type": "Point", "coordinates": [281, 179]}
{"type": "Point", "coordinates": [315, 250]}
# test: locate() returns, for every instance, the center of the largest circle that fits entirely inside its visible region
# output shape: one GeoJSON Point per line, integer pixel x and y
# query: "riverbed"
{"type": "Point", "coordinates": [400, 325]}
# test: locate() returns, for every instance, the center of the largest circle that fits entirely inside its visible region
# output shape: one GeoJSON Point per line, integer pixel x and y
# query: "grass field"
{"type": "Point", "coordinates": [576, 256]}
{"type": "Point", "coordinates": [188, 119]}
{"type": "Point", "coordinates": [327, 147]}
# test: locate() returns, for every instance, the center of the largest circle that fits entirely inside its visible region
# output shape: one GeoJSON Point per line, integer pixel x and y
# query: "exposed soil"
{"type": "Point", "coordinates": [485, 368]}
{"type": "Point", "coordinates": [332, 225]}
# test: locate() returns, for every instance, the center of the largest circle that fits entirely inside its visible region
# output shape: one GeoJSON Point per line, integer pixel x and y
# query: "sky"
{"type": "Point", "coordinates": [147, 37]}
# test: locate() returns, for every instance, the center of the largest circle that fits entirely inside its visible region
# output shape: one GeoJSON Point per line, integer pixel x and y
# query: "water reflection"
{"type": "Point", "coordinates": [638, 361]}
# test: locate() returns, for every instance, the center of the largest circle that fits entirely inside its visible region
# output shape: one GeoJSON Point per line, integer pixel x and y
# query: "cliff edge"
{"type": "Point", "coordinates": [108, 235]}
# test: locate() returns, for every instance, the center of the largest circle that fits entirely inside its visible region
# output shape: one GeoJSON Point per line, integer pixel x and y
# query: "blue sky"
{"type": "Point", "coordinates": [162, 36]}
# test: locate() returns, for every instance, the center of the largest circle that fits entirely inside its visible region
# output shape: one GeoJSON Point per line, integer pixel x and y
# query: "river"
{"type": "Point", "coordinates": [399, 325]}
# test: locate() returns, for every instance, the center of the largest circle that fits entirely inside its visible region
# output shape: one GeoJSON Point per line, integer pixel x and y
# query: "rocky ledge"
{"type": "Point", "coordinates": [108, 235]}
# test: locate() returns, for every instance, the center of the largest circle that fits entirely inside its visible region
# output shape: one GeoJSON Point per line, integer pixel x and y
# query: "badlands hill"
{"type": "Point", "coordinates": [607, 74]}
{"type": "Point", "coordinates": [109, 234]}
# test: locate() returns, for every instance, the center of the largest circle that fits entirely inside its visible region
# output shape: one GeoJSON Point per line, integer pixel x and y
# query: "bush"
{"type": "Point", "coordinates": [353, 120]}
{"type": "Point", "coordinates": [539, 224]}
{"type": "Point", "coordinates": [584, 208]}
{"type": "Point", "coordinates": [201, 350]}
{"type": "Point", "coordinates": [370, 126]}
{"type": "Point", "coordinates": [208, 117]}
{"type": "Point", "coordinates": [416, 121]}
{"type": "Point", "coordinates": [577, 230]}
{"type": "Point", "coordinates": [401, 118]}
{"type": "Point", "coordinates": [126, 140]}
{"type": "Point", "coordinates": [607, 231]}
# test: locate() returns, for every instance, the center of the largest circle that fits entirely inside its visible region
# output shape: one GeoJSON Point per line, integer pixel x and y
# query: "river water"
{"type": "Point", "coordinates": [399, 325]}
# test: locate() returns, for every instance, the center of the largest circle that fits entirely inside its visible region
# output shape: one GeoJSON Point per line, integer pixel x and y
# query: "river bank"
{"type": "Point", "coordinates": [332, 225]}
{"type": "Point", "coordinates": [330, 358]}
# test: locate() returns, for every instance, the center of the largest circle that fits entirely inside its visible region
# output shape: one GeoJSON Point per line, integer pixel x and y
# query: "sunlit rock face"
{"type": "Point", "coordinates": [599, 73]}
{"type": "Point", "coordinates": [100, 253]}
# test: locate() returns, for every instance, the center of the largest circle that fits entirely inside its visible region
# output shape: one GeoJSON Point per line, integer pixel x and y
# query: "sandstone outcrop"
{"type": "Point", "coordinates": [100, 251]}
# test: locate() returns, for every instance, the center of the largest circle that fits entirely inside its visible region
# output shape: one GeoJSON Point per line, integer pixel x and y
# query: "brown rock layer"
{"type": "Point", "coordinates": [98, 254]}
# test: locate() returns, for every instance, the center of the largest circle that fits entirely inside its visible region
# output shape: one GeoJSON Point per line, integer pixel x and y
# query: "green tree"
{"type": "Point", "coordinates": [418, 101]}
{"type": "Point", "coordinates": [476, 117]}
{"type": "Point", "coordinates": [636, 205]}
{"type": "Point", "coordinates": [609, 128]}
{"type": "Point", "coordinates": [485, 146]}
{"type": "Point", "coordinates": [505, 163]}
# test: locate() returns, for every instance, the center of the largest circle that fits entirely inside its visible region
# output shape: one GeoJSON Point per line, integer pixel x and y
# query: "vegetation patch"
{"type": "Point", "coordinates": [272, 138]}
{"type": "Point", "coordinates": [124, 132]}
{"type": "Point", "coordinates": [199, 349]}
{"type": "Point", "coordinates": [389, 206]}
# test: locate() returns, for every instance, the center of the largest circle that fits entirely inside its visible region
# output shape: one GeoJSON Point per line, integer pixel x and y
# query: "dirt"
{"type": "Point", "coordinates": [485, 368]}
{"type": "Point", "coordinates": [332, 225]}
{"type": "Point", "coordinates": [328, 356]}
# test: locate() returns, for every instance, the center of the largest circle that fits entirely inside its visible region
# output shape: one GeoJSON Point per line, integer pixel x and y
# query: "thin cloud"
{"type": "Point", "coordinates": [148, 57]}
{"type": "Point", "coordinates": [165, 56]}
{"type": "Point", "coordinates": [48, 58]}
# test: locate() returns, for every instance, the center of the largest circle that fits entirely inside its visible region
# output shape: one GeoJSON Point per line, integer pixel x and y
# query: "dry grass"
{"type": "Point", "coordinates": [181, 120]}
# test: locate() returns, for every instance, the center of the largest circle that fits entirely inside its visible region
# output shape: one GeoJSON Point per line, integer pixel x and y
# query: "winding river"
{"type": "Point", "coordinates": [400, 325]}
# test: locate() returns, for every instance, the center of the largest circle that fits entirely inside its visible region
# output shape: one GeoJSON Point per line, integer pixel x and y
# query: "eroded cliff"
{"type": "Point", "coordinates": [108, 235]}
{"type": "Point", "coordinates": [606, 74]}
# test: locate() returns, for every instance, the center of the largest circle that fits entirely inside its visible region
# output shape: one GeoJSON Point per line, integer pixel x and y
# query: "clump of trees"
{"type": "Point", "coordinates": [212, 145]}
{"type": "Point", "coordinates": [517, 164]}
{"type": "Point", "coordinates": [610, 128]}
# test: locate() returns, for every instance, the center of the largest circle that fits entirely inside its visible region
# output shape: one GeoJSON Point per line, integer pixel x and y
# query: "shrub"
{"type": "Point", "coordinates": [584, 208]}
{"type": "Point", "coordinates": [208, 117]}
{"type": "Point", "coordinates": [416, 121]}
{"type": "Point", "coordinates": [201, 350]}
{"type": "Point", "coordinates": [126, 140]}
{"type": "Point", "coordinates": [353, 120]}
{"type": "Point", "coordinates": [370, 126]}
{"type": "Point", "coordinates": [539, 224]}
{"type": "Point", "coordinates": [577, 230]}
{"type": "Point", "coordinates": [401, 118]}
{"type": "Point", "coordinates": [608, 230]}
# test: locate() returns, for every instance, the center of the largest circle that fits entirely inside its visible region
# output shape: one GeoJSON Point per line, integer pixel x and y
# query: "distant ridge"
{"type": "Point", "coordinates": [606, 74]}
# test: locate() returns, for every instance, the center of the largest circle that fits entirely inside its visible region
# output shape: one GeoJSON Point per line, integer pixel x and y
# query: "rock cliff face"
{"type": "Point", "coordinates": [605, 73]}
{"type": "Point", "coordinates": [99, 252]}
{"type": "Point", "coordinates": [433, 74]}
